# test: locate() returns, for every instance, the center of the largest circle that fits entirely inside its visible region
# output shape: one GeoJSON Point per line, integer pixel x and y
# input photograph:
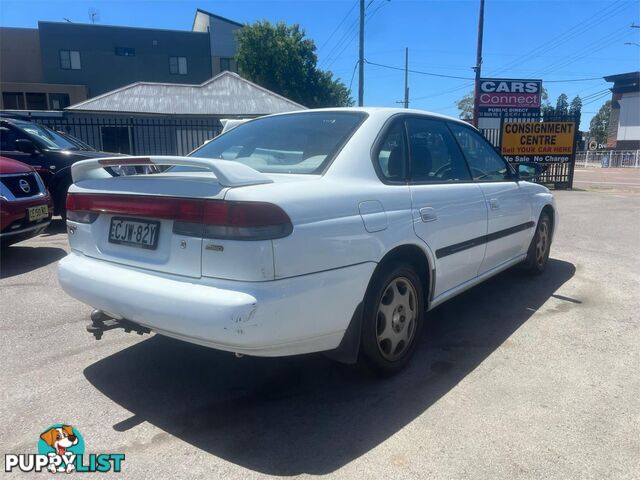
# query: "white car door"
{"type": "Point", "coordinates": [449, 210]}
{"type": "Point", "coordinates": [509, 211]}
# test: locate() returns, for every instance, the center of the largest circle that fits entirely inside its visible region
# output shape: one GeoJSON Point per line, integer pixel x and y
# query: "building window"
{"type": "Point", "coordinates": [70, 60]}
{"type": "Point", "coordinates": [116, 139]}
{"type": "Point", "coordinates": [58, 101]}
{"type": "Point", "coordinates": [225, 64]}
{"type": "Point", "coordinates": [178, 65]}
{"type": "Point", "coordinates": [125, 52]}
{"type": "Point", "coordinates": [13, 100]}
{"type": "Point", "coordinates": [36, 101]}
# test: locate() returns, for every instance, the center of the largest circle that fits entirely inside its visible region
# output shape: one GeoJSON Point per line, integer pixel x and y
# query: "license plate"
{"type": "Point", "coordinates": [38, 213]}
{"type": "Point", "coordinates": [134, 233]}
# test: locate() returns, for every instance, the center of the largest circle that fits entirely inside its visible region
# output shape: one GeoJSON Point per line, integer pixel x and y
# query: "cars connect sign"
{"type": "Point", "coordinates": [538, 141]}
{"type": "Point", "coordinates": [503, 97]}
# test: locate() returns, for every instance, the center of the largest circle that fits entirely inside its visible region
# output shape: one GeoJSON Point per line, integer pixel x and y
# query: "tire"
{"type": "Point", "coordinates": [392, 319]}
{"type": "Point", "coordinates": [60, 199]}
{"type": "Point", "coordinates": [538, 253]}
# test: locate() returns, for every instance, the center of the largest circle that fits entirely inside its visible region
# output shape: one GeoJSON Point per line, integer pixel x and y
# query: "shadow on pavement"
{"type": "Point", "coordinates": [17, 259]}
{"type": "Point", "coordinates": [287, 416]}
{"type": "Point", "coordinates": [56, 226]}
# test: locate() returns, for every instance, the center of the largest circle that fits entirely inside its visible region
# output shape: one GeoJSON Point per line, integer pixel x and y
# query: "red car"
{"type": "Point", "coordinates": [25, 203]}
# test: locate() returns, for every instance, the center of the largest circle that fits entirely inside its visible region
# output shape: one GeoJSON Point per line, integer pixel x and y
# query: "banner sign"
{"type": "Point", "coordinates": [538, 141]}
{"type": "Point", "coordinates": [504, 97]}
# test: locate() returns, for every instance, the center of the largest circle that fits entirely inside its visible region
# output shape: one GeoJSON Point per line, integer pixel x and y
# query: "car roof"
{"type": "Point", "coordinates": [381, 111]}
{"type": "Point", "coordinates": [15, 121]}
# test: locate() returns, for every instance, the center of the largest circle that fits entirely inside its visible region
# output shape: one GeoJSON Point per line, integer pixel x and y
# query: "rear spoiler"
{"type": "Point", "coordinates": [228, 173]}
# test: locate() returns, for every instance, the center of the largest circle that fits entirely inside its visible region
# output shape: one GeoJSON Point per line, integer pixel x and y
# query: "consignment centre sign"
{"type": "Point", "coordinates": [538, 141]}
{"type": "Point", "coordinates": [504, 97]}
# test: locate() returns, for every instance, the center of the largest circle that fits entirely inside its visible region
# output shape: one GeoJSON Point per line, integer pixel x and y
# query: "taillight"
{"type": "Point", "coordinates": [193, 217]}
{"type": "Point", "coordinates": [245, 221]}
{"type": "Point", "coordinates": [77, 214]}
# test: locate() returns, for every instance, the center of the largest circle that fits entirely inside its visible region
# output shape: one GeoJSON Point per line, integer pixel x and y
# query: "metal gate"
{"type": "Point", "coordinates": [137, 136]}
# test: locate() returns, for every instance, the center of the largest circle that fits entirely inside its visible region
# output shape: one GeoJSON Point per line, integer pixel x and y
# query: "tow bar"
{"type": "Point", "coordinates": [101, 322]}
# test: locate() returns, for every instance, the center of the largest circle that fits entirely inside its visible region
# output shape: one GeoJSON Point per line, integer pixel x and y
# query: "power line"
{"type": "Point", "coordinates": [573, 32]}
{"type": "Point", "coordinates": [355, 67]}
{"type": "Point", "coordinates": [420, 72]}
{"type": "Point", "coordinates": [587, 97]}
{"type": "Point", "coordinates": [588, 51]}
{"type": "Point", "coordinates": [351, 29]}
{"type": "Point", "coordinates": [463, 87]}
{"type": "Point", "coordinates": [349, 36]}
{"type": "Point", "coordinates": [339, 25]}
{"type": "Point", "coordinates": [570, 80]}
{"type": "Point", "coordinates": [604, 95]}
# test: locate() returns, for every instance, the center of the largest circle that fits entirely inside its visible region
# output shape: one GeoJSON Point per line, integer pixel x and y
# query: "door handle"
{"type": "Point", "coordinates": [428, 214]}
{"type": "Point", "coordinates": [494, 204]}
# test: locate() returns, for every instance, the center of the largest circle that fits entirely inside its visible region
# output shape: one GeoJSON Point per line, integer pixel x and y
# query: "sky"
{"type": "Point", "coordinates": [574, 41]}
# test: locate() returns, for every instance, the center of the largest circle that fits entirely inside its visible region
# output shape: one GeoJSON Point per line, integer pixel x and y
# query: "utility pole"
{"type": "Point", "coordinates": [406, 77]}
{"type": "Point", "coordinates": [361, 58]}
{"type": "Point", "coordinates": [477, 68]}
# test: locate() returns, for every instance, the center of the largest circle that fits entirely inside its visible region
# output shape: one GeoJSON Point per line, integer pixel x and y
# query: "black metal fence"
{"type": "Point", "coordinates": [137, 136]}
{"type": "Point", "coordinates": [557, 174]}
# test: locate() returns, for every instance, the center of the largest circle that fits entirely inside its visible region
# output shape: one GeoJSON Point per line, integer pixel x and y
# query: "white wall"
{"type": "Point", "coordinates": [629, 121]}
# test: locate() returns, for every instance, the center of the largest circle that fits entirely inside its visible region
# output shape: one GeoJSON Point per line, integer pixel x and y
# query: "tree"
{"type": "Point", "coordinates": [282, 59]}
{"type": "Point", "coordinates": [562, 105]}
{"type": "Point", "coordinates": [465, 106]}
{"type": "Point", "coordinates": [544, 96]}
{"type": "Point", "coordinates": [599, 125]}
{"type": "Point", "coordinates": [575, 108]}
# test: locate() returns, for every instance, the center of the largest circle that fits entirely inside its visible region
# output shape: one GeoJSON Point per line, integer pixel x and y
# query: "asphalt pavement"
{"type": "Point", "coordinates": [521, 377]}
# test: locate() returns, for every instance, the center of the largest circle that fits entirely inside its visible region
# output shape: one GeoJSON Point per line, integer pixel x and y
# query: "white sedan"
{"type": "Point", "coordinates": [330, 230]}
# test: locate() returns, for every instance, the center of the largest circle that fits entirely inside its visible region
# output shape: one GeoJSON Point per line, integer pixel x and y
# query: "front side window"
{"type": "Point", "coordinates": [70, 60]}
{"type": "Point", "coordinates": [392, 156]}
{"type": "Point", "coordinates": [435, 157]}
{"type": "Point", "coordinates": [178, 65]}
{"type": "Point", "coordinates": [303, 143]}
{"type": "Point", "coordinates": [484, 162]}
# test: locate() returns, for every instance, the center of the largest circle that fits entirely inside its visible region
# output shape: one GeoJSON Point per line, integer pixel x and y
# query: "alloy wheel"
{"type": "Point", "coordinates": [396, 318]}
{"type": "Point", "coordinates": [542, 243]}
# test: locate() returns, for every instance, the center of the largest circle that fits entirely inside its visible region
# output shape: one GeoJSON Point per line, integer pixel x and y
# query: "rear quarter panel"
{"type": "Point", "coordinates": [328, 230]}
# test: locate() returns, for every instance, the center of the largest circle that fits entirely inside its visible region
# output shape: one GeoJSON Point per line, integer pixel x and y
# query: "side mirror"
{"type": "Point", "coordinates": [529, 170]}
{"type": "Point", "coordinates": [25, 146]}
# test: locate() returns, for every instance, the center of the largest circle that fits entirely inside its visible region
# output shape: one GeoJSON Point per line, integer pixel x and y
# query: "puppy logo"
{"type": "Point", "coordinates": [62, 444]}
{"type": "Point", "coordinates": [60, 438]}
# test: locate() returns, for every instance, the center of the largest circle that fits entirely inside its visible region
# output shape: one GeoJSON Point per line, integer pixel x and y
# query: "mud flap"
{"type": "Point", "coordinates": [349, 348]}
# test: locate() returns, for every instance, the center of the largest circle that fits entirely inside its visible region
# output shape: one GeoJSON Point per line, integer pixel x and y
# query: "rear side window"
{"type": "Point", "coordinates": [434, 154]}
{"type": "Point", "coordinates": [392, 155]}
{"type": "Point", "coordinates": [484, 162]}
{"type": "Point", "coordinates": [297, 143]}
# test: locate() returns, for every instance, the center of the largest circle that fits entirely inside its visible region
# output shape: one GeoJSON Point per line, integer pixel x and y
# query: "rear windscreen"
{"type": "Point", "coordinates": [296, 143]}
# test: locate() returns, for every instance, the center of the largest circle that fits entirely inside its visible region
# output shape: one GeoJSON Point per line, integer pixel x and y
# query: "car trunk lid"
{"type": "Point", "coordinates": [167, 222]}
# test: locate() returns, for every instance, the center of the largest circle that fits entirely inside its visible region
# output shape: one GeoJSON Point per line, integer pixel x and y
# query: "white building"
{"type": "Point", "coordinates": [624, 121]}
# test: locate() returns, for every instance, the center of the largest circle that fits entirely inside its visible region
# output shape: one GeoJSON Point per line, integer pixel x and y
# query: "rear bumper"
{"type": "Point", "coordinates": [15, 236]}
{"type": "Point", "coordinates": [303, 314]}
